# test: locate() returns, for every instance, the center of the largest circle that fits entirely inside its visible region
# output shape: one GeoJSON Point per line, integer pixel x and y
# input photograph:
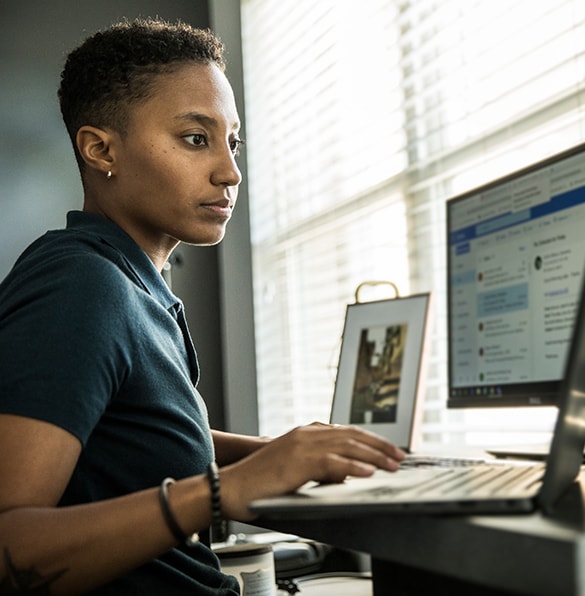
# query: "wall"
{"type": "Point", "coordinates": [38, 177]}
{"type": "Point", "coordinates": [235, 255]}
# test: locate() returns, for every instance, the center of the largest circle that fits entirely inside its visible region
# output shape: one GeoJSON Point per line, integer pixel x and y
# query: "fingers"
{"type": "Point", "coordinates": [369, 456]}
{"type": "Point", "coordinates": [371, 447]}
{"type": "Point", "coordinates": [346, 450]}
{"type": "Point", "coordinates": [336, 468]}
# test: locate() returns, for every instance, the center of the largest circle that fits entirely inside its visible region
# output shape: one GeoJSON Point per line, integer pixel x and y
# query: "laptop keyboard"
{"type": "Point", "coordinates": [478, 480]}
{"type": "Point", "coordinates": [418, 461]}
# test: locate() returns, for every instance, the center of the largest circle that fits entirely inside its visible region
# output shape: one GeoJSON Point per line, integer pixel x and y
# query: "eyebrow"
{"type": "Point", "coordinates": [204, 119]}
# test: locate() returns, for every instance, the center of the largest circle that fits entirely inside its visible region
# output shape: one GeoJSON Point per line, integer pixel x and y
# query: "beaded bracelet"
{"type": "Point", "coordinates": [218, 524]}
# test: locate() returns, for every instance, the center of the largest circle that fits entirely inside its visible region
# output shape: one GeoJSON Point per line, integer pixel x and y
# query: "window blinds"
{"type": "Point", "coordinates": [362, 119]}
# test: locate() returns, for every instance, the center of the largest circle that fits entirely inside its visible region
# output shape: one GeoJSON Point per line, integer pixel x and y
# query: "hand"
{"type": "Point", "coordinates": [320, 452]}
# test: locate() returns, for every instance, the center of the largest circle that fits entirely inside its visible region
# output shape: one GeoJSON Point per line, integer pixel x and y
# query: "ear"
{"type": "Point", "coordinates": [96, 148]}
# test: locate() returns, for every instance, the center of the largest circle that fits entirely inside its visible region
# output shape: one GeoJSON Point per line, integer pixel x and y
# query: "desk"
{"type": "Point", "coordinates": [476, 555]}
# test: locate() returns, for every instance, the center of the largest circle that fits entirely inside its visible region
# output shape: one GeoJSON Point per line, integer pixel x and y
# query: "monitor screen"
{"type": "Point", "coordinates": [516, 251]}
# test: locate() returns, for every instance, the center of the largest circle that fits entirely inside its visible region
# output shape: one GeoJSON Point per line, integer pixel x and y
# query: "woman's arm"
{"type": "Point", "coordinates": [74, 549]}
{"type": "Point", "coordinates": [230, 447]}
{"type": "Point", "coordinates": [77, 548]}
{"type": "Point", "coordinates": [320, 452]}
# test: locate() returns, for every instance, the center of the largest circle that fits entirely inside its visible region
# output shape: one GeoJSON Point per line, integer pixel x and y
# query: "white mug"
{"type": "Point", "coordinates": [252, 565]}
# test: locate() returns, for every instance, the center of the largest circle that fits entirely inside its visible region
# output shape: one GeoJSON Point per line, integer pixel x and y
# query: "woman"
{"type": "Point", "coordinates": [98, 403]}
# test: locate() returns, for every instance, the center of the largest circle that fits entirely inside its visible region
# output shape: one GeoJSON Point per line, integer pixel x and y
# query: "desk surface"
{"type": "Point", "coordinates": [528, 554]}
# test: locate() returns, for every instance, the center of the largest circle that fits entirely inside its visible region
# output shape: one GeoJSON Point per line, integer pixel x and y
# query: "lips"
{"type": "Point", "coordinates": [222, 207]}
{"type": "Point", "coordinates": [220, 203]}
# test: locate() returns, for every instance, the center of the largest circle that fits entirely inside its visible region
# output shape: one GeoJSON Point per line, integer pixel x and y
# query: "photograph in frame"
{"type": "Point", "coordinates": [382, 367]}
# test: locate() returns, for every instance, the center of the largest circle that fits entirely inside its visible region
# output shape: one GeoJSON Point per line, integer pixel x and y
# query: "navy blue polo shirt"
{"type": "Point", "coordinates": [92, 340]}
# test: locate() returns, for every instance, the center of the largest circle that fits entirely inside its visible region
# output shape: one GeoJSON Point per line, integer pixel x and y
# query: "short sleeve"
{"type": "Point", "coordinates": [63, 340]}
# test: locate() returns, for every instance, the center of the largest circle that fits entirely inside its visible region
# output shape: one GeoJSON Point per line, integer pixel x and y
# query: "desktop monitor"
{"type": "Point", "coordinates": [516, 252]}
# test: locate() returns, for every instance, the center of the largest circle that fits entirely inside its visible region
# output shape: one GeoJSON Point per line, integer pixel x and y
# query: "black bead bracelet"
{"type": "Point", "coordinates": [218, 524]}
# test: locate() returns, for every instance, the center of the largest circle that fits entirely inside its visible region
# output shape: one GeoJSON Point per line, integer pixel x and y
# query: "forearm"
{"type": "Point", "coordinates": [230, 447]}
{"type": "Point", "coordinates": [84, 546]}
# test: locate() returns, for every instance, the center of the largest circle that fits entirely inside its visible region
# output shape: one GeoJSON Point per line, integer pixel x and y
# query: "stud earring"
{"type": "Point", "coordinates": [109, 174]}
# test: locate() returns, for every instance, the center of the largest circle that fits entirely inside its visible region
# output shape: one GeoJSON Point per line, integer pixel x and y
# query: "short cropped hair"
{"type": "Point", "coordinates": [116, 68]}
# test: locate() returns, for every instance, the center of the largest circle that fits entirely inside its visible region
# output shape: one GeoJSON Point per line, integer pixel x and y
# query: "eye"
{"type": "Point", "coordinates": [236, 144]}
{"type": "Point", "coordinates": [196, 139]}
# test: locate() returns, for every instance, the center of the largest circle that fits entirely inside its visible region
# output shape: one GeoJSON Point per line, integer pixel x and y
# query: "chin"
{"type": "Point", "coordinates": [202, 233]}
{"type": "Point", "coordinates": [209, 240]}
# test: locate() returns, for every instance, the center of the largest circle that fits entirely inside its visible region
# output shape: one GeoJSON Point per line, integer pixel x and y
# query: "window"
{"type": "Point", "coordinates": [362, 119]}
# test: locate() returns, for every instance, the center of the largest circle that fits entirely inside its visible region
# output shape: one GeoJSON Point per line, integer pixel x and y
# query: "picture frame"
{"type": "Point", "coordinates": [382, 369]}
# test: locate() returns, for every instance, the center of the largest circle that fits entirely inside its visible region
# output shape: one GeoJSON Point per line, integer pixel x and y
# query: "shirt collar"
{"type": "Point", "coordinates": [136, 259]}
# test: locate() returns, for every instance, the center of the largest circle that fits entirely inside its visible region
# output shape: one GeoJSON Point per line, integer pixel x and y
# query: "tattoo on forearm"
{"type": "Point", "coordinates": [26, 581]}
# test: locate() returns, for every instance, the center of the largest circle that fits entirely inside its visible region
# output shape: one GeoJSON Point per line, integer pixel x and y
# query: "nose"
{"type": "Point", "coordinates": [226, 172]}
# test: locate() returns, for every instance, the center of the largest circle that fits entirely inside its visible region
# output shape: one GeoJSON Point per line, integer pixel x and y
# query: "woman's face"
{"type": "Point", "coordinates": [175, 172]}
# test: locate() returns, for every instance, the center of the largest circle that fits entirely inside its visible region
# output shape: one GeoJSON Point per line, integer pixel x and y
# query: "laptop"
{"type": "Point", "coordinates": [490, 486]}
